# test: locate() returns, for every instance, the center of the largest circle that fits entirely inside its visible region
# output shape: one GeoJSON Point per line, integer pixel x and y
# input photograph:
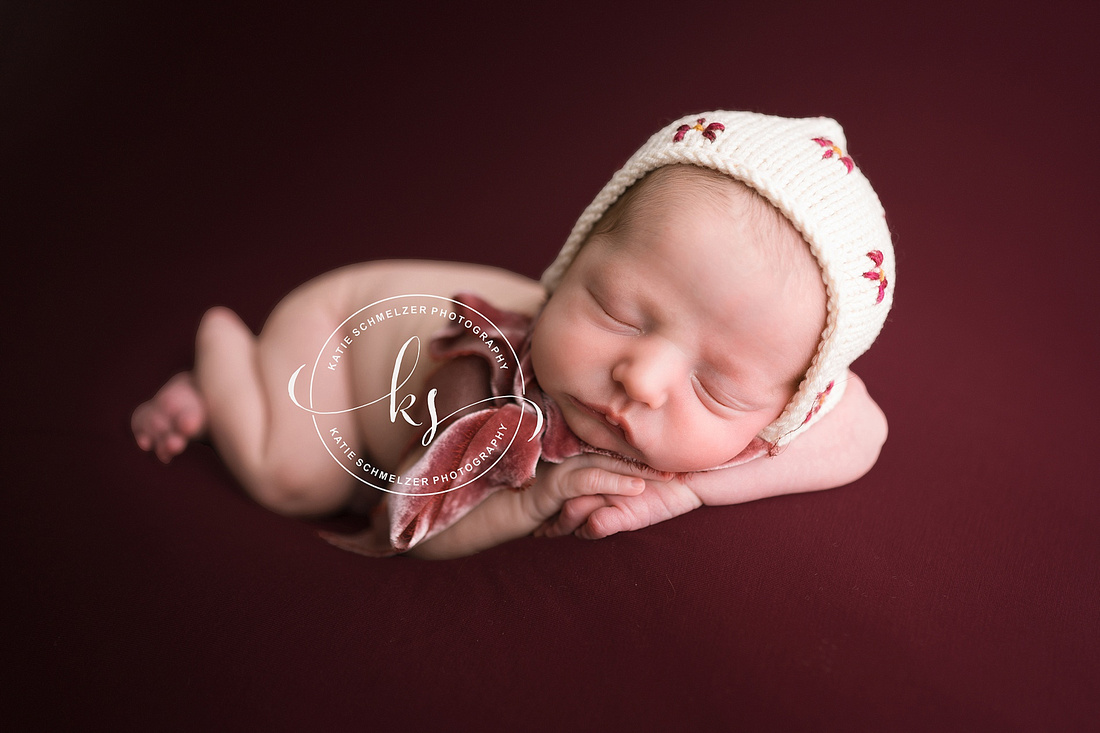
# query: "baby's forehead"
{"type": "Point", "coordinates": [682, 187]}
{"type": "Point", "coordinates": [682, 184]}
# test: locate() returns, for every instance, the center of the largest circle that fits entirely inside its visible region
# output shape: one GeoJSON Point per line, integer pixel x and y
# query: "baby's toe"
{"type": "Point", "coordinates": [170, 446]}
{"type": "Point", "coordinates": [163, 454]}
{"type": "Point", "coordinates": [141, 423]}
{"type": "Point", "coordinates": [157, 425]}
{"type": "Point", "coordinates": [189, 422]}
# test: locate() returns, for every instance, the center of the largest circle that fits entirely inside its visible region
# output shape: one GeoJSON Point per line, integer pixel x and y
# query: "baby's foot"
{"type": "Point", "coordinates": [173, 418]}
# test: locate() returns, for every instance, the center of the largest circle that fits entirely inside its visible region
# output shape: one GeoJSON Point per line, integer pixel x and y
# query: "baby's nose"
{"type": "Point", "coordinates": [650, 372]}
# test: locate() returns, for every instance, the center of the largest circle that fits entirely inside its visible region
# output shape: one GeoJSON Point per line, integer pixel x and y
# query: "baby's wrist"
{"type": "Point", "coordinates": [539, 501]}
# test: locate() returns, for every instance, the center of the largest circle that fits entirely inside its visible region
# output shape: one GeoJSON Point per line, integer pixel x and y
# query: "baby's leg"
{"type": "Point", "coordinates": [268, 443]}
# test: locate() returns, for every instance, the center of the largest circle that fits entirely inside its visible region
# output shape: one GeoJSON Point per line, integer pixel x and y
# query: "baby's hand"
{"type": "Point", "coordinates": [588, 476]}
{"type": "Point", "coordinates": [595, 516]}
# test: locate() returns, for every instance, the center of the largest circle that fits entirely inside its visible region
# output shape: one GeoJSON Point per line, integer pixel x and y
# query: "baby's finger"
{"type": "Point", "coordinates": [590, 481]}
{"type": "Point", "coordinates": [603, 522]}
{"type": "Point", "coordinates": [573, 514]}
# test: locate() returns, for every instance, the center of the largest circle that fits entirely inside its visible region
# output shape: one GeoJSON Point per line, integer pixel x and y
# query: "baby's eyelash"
{"type": "Point", "coordinates": [700, 387]}
{"type": "Point", "coordinates": [725, 403]}
{"type": "Point", "coordinates": [610, 315]}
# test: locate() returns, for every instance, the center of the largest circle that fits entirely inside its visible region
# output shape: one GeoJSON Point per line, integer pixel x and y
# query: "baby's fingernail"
{"type": "Point", "coordinates": [637, 483]}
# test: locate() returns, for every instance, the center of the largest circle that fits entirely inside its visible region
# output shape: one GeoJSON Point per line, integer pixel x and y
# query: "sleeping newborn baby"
{"type": "Point", "coordinates": [701, 316]}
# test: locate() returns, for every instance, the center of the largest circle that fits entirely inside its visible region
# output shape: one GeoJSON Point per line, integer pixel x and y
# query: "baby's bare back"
{"type": "Point", "coordinates": [320, 323]}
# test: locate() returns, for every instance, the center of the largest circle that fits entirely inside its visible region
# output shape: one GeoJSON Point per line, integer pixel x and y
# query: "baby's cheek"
{"type": "Point", "coordinates": [546, 360]}
{"type": "Point", "coordinates": [556, 344]}
{"type": "Point", "coordinates": [726, 438]}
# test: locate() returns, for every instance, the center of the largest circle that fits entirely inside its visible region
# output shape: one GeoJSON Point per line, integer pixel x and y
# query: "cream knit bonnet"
{"type": "Point", "coordinates": [802, 167]}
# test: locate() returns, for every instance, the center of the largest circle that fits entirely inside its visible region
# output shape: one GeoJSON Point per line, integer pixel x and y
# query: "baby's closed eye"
{"type": "Point", "coordinates": [712, 393]}
{"type": "Point", "coordinates": [614, 315]}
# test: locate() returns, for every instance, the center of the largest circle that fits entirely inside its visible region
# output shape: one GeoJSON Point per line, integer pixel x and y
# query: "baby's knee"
{"type": "Point", "coordinates": [292, 493]}
{"type": "Point", "coordinates": [218, 317]}
{"type": "Point", "coordinates": [218, 323]}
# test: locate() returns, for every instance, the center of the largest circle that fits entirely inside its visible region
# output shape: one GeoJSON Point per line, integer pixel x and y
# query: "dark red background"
{"type": "Point", "coordinates": [158, 159]}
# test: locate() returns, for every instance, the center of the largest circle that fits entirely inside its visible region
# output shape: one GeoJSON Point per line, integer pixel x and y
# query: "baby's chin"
{"type": "Point", "coordinates": [680, 464]}
{"type": "Point", "coordinates": [663, 464]}
{"type": "Point", "coordinates": [603, 442]}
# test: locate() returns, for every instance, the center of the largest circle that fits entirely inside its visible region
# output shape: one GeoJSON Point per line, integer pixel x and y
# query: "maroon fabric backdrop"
{"type": "Point", "coordinates": [159, 159]}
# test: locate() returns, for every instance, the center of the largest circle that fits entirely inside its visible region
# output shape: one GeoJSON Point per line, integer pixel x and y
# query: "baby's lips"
{"type": "Point", "coordinates": [616, 422]}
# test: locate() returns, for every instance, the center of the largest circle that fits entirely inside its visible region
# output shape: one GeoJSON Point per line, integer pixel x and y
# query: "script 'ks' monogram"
{"type": "Point", "coordinates": [398, 405]}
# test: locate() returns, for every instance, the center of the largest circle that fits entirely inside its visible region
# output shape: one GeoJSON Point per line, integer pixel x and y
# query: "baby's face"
{"type": "Point", "coordinates": [676, 338]}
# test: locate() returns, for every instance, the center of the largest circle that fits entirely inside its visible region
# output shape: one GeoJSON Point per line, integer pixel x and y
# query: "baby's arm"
{"type": "Point", "coordinates": [839, 449]}
{"type": "Point", "coordinates": [508, 515]}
